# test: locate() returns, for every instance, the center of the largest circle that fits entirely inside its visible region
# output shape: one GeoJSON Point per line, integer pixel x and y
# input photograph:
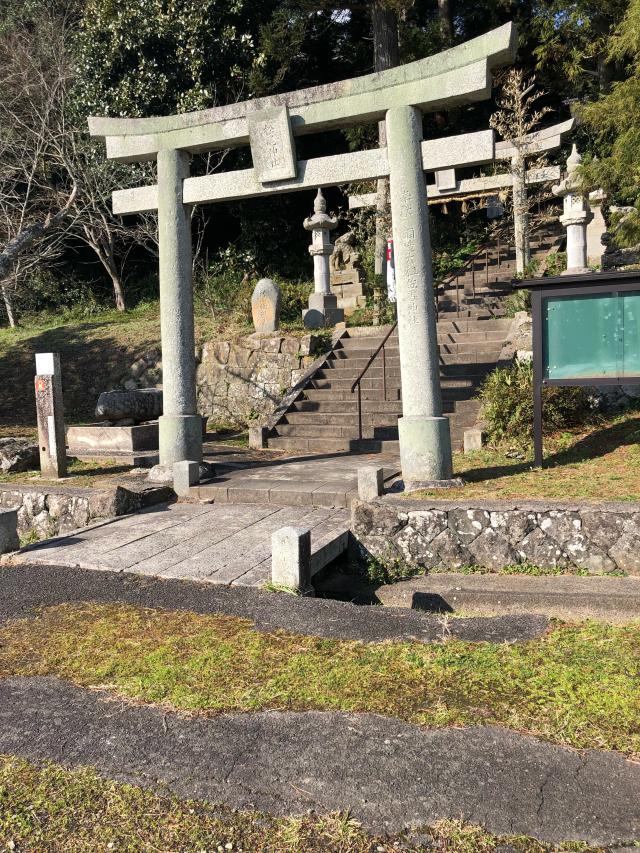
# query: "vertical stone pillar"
{"type": "Point", "coordinates": [576, 216]}
{"type": "Point", "coordinates": [323, 305]}
{"type": "Point", "coordinates": [425, 441]}
{"type": "Point", "coordinates": [50, 411]}
{"type": "Point", "coordinates": [180, 427]}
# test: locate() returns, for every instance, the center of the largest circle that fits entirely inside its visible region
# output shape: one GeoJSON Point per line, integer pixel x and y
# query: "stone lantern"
{"type": "Point", "coordinates": [323, 305]}
{"type": "Point", "coordinates": [576, 216]}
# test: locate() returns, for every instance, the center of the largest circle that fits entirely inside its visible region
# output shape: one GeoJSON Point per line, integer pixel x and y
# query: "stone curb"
{"type": "Point", "coordinates": [615, 600]}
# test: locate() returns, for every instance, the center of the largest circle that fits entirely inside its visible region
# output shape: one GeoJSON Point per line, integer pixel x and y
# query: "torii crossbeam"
{"type": "Point", "coordinates": [269, 125]}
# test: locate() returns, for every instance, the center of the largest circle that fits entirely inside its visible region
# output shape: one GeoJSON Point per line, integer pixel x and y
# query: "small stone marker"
{"type": "Point", "coordinates": [258, 437]}
{"type": "Point", "coordinates": [473, 440]}
{"type": "Point", "coordinates": [50, 411]}
{"type": "Point", "coordinates": [9, 540]}
{"type": "Point", "coordinates": [185, 475]}
{"type": "Point", "coordinates": [265, 306]}
{"type": "Point", "coordinates": [370, 483]}
{"type": "Point", "coordinates": [291, 558]}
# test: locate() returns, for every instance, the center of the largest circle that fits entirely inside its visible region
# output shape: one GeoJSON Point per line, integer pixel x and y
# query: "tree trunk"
{"type": "Point", "coordinates": [386, 54]}
{"type": "Point", "coordinates": [102, 245]}
{"type": "Point", "coordinates": [8, 304]}
{"type": "Point", "coordinates": [446, 21]}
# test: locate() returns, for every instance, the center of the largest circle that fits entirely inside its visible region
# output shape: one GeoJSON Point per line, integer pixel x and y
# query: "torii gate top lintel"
{"type": "Point", "coordinates": [460, 74]}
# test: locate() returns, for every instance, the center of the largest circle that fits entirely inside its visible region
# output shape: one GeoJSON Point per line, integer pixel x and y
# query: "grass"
{"type": "Point", "coordinates": [79, 475]}
{"type": "Point", "coordinates": [577, 686]}
{"type": "Point", "coordinates": [599, 462]}
{"type": "Point", "coordinates": [96, 352]}
{"type": "Point", "coordinates": [51, 808]}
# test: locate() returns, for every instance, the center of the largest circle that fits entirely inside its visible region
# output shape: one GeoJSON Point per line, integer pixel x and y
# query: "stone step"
{"type": "Point", "coordinates": [344, 406]}
{"type": "Point", "coordinates": [464, 324]}
{"type": "Point", "coordinates": [371, 396]}
{"type": "Point", "coordinates": [380, 431]}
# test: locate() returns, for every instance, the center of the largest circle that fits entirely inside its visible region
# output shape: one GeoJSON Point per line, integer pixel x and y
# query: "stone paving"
{"type": "Point", "coordinates": [323, 480]}
{"type": "Point", "coordinates": [220, 543]}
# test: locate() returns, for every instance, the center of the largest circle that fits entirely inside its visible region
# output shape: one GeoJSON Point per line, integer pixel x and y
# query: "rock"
{"type": "Point", "coordinates": [18, 454]}
{"type": "Point", "coordinates": [265, 306]}
{"type": "Point", "coordinates": [161, 474]}
{"type": "Point", "coordinates": [627, 554]}
{"type": "Point", "coordinates": [602, 528]}
{"type": "Point", "coordinates": [539, 550]}
{"type": "Point", "coordinates": [468, 523]}
{"type": "Point", "coordinates": [492, 550]}
{"type": "Point", "coordinates": [451, 553]}
{"type": "Point", "coordinates": [136, 406]}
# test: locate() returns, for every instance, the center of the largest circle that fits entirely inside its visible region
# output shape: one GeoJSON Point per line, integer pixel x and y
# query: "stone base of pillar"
{"type": "Point", "coordinates": [425, 452]}
{"type": "Point", "coordinates": [577, 271]}
{"type": "Point", "coordinates": [323, 311]}
{"type": "Point", "coordinates": [180, 438]}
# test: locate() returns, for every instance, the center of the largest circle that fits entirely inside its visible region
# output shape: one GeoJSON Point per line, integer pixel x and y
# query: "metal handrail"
{"type": "Point", "coordinates": [357, 383]}
{"type": "Point", "coordinates": [471, 260]}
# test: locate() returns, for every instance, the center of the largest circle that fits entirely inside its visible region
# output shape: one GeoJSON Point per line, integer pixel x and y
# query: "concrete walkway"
{"type": "Point", "coordinates": [388, 774]}
{"type": "Point", "coordinates": [321, 480]}
{"type": "Point", "coordinates": [220, 543]}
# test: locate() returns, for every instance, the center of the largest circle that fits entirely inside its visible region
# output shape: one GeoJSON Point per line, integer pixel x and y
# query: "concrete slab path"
{"type": "Point", "coordinates": [389, 775]}
{"type": "Point", "coordinates": [220, 543]}
{"type": "Point", "coordinates": [322, 480]}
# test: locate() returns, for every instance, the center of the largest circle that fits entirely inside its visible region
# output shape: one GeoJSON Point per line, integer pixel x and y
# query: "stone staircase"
{"type": "Point", "coordinates": [471, 330]}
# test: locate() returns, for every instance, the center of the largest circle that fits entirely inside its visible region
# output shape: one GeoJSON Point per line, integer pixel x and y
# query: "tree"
{"type": "Point", "coordinates": [37, 201]}
{"type": "Point", "coordinates": [614, 119]}
{"type": "Point", "coordinates": [516, 118]}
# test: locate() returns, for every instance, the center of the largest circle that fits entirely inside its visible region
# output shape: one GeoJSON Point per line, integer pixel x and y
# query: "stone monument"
{"type": "Point", "coordinates": [347, 276]}
{"type": "Point", "coordinates": [50, 411]}
{"type": "Point", "coordinates": [265, 306]}
{"type": "Point", "coordinates": [399, 96]}
{"type": "Point", "coordinates": [323, 304]}
{"type": "Point", "coordinates": [575, 217]}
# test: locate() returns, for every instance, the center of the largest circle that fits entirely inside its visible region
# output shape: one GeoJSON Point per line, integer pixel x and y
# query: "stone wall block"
{"type": "Point", "coordinates": [515, 524]}
{"type": "Point", "coordinates": [271, 345]}
{"type": "Point", "coordinates": [451, 553]}
{"type": "Point", "coordinates": [492, 550]}
{"type": "Point", "coordinates": [467, 524]}
{"type": "Point", "coordinates": [626, 553]}
{"type": "Point", "coordinates": [602, 528]}
{"type": "Point", "coordinates": [290, 346]}
{"type": "Point", "coordinates": [373, 519]}
{"type": "Point", "coordinates": [540, 550]}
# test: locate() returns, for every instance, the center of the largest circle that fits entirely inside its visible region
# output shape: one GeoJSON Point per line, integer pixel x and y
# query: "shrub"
{"type": "Point", "coordinates": [507, 404]}
{"type": "Point", "coordinates": [519, 300]}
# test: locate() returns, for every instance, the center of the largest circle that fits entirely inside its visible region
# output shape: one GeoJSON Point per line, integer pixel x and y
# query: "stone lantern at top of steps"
{"type": "Point", "coordinates": [323, 305]}
{"type": "Point", "coordinates": [576, 215]}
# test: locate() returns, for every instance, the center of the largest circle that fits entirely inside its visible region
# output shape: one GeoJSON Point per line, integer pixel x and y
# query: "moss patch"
{"type": "Point", "coordinates": [51, 808]}
{"type": "Point", "coordinates": [576, 686]}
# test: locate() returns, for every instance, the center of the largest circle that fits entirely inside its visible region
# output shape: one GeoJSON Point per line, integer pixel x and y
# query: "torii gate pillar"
{"type": "Point", "coordinates": [180, 427]}
{"type": "Point", "coordinates": [425, 440]}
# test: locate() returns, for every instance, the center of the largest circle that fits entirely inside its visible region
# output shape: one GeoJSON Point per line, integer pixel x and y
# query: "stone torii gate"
{"type": "Point", "coordinates": [269, 125]}
{"type": "Point", "coordinates": [448, 187]}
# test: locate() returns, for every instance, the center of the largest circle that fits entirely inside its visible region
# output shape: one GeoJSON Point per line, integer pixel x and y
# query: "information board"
{"type": "Point", "coordinates": [591, 336]}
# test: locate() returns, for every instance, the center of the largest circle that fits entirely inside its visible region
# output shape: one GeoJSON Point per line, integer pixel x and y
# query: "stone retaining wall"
{"type": "Point", "coordinates": [598, 538]}
{"type": "Point", "coordinates": [61, 510]}
{"type": "Point", "coordinates": [238, 380]}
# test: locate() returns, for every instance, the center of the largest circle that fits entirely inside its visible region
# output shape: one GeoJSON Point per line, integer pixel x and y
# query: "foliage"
{"type": "Point", "coordinates": [614, 120]}
{"type": "Point", "coordinates": [155, 58]}
{"type": "Point", "coordinates": [577, 685]}
{"type": "Point", "coordinates": [518, 300]}
{"type": "Point", "coordinates": [226, 289]}
{"type": "Point", "coordinates": [507, 405]}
